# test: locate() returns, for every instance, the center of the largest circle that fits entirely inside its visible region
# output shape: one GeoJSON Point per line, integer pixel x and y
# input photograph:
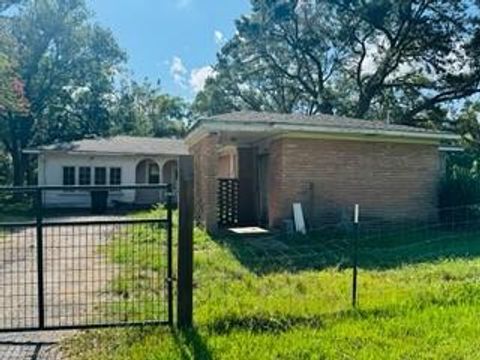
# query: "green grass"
{"type": "Point", "coordinates": [419, 298]}
{"type": "Point", "coordinates": [16, 211]}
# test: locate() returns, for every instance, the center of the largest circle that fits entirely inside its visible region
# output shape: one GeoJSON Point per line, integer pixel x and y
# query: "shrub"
{"type": "Point", "coordinates": [459, 194]}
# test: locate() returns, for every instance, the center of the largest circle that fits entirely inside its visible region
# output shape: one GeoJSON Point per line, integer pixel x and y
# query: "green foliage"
{"type": "Point", "coordinates": [11, 88]}
{"type": "Point", "coordinates": [12, 97]}
{"type": "Point", "coordinates": [143, 110]}
{"type": "Point", "coordinates": [58, 82]}
{"type": "Point", "coordinates": [418, 304]}
{"type": "Point", "coordinates": [461, 189]}
{"type": "Point", "coordinates": [212, 99]}
{"type": "Point", "coordinates": [468, 126]}
{"type": "Point", "coordinates": [461, 183]}
{"type": "Point", "coordinates": [368, 59]}
{"type": "Point", "coordinates": [67, 66]}
{"type": "Point", "coordinates": [5, 170]}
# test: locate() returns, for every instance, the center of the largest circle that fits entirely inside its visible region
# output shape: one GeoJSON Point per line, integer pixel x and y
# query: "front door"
{"type": "Point", "coordinates": [262, 193]}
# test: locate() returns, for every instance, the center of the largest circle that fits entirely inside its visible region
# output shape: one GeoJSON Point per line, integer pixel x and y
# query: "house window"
{"type": "Point", "coordinates": [100, 176]}
{"type": "Point", "coordinates": [153, 174]}
{"type": "Point", "coordinates": [84, 176]}
{"type": "Point", "coordinates": [68, 175]}
{"type": "Point", "coordinates": [115, 176]}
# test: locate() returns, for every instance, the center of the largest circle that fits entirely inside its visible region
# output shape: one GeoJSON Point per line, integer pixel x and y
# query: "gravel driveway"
{"type": "Point", "coordinates": [75, 277]}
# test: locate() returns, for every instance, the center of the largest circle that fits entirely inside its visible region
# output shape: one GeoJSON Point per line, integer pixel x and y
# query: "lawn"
{"type": "Point", "coordinates": [15, 211]}
{"type": "Point", "coordinates": [290, 298]}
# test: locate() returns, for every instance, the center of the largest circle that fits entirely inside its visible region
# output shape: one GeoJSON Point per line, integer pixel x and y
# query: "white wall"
{"type": "Point", "coordinates": [50, 172]}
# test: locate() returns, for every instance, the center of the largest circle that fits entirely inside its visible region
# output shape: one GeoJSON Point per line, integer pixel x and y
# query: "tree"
{"type": "Point", "coordinates": [418, 51]}
{"type": "Point", "coordinates": [11, 87]}
{"type": "Point", "coordinates": [359, 58]}
{"type": "Point", "coordinates": [142, 110]}
{"type": "Point", "coordinates": [67, 65]}
{"type": "Point", "coordinates": [277, 61]}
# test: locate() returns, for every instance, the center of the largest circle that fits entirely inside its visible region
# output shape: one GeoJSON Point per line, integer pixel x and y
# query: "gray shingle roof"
{"type": "Point", "coordinates": [122, 145]}
{"type": "Point", "coordinates": [321, 120]}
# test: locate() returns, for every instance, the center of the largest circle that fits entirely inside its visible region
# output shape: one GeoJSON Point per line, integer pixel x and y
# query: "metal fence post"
{"type": "Point", "coordinates": [39, 244]}
{"type": "Point", "coordinates": [170, 254]}
{"type": "Point", "coordinates": [355, 254]}
{"type": "Point", "coordinates": [185, 243]}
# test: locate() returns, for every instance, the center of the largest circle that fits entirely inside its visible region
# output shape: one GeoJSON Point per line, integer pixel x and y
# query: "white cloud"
{"type": "Point", "coordinates": [178, 71]}
{"type": "Point", "coordinates": [193, 80]}
{"type": "Point", "coordinates": [219, 37]}
{"type": "Point", "coordinates": [199, 76]}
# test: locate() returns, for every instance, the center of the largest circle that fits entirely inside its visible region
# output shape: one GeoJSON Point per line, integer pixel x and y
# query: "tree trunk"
{"type": "Point", "coordinates": [18, 163]}
{"type": "Point", "coordinates": [30, 171]}
{"type": "Point", "coordinates": [363, 104]}
{"type": "Point", "coordinates": [19, 129]}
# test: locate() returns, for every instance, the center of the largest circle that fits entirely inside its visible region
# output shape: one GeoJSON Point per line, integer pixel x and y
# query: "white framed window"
{"type": "Point", "coordinates": [115, 176]}
{"type": "Point", "coordinates": [84, 175]}
{"type": "Point", "coordinates": [100, 176]}
{"type": "Point", "coordinates": [68, 175]}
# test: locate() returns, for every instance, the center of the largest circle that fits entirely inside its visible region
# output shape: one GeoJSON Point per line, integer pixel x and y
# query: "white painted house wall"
{"type": "Point", "coordinates": [50, 172]}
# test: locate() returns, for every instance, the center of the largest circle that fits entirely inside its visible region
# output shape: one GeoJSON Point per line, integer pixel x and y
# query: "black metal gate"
{"type": "Point", "coordinates": [63, 269]}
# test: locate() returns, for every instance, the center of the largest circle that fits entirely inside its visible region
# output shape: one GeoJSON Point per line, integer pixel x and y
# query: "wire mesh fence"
{"type": "Point", "coordinates": [281, 280]}
{"type": "Point", "coordinates": [414, 263]}
{"type": "Point", "coordinates": [269, 281]}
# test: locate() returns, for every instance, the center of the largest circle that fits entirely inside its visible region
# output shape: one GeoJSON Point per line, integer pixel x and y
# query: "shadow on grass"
{"type": "Point", "coordinates": [380, 250]}
{"type": "Point", "coordinates": [261, 324]}
{"type": "Point", "coordinates": [281, 323]}
{"type": "Point", "coordinates": [191, 344]}
{"type": "Point", "coordinates": [28, 350]}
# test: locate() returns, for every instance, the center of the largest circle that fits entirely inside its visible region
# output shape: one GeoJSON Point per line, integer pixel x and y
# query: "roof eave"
{"type": "Point", "coordinates": [369, 132]}
{"type": "Point", "coordinates": [106, 153]}
{"type": "Point", "coordinates": [209, 125]}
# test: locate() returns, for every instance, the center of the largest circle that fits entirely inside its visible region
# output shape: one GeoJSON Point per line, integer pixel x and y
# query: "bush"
{"type": "Point", "coordinates": [459, 189]}
{"type": "Point", "coordinates": [5, 169]}
{"type": "Point", "coordinates": [459, 194]}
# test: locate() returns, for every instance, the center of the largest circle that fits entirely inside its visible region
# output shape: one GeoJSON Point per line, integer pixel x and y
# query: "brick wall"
{"type": "Point", "coordinates": [388, 180]}
{"type": "Point", "coordinates": [224, 167]}
{"type": "Point", "coordinates": [206, 167]}
{"type": "Point", "coordinates": [228, 165]}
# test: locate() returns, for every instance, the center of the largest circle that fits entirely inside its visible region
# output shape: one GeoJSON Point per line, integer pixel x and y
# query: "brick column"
{"type": "Point", "coordinates": [206, 172]}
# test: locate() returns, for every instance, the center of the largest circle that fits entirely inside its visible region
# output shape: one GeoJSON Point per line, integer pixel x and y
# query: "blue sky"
{"type": "Point", "coordinates": [175, 41]}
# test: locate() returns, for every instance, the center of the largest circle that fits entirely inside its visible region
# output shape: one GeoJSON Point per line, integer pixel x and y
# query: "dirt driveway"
{"type": "Point", "coordinates": [76, 275]}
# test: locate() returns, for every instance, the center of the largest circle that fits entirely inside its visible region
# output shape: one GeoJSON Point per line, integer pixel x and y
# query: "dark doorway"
{"type": "Point", "coordinates": [262, 189]}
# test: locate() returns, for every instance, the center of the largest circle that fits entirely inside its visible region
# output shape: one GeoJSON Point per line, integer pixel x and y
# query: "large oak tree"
{"type": "Point", "coordinates": [408, 59]}
{"type": "Point", "coordinates": [67, 65]}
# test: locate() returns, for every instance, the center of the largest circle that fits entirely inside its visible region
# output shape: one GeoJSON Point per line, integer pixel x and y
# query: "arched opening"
{"type": "Point", "coordinates": [170, 173]}
{"type": "Point", "coordinates": [147, 172]}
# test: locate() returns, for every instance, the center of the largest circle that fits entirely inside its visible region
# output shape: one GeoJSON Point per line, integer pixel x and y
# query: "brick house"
{"type": "Point", "coordinates": [327, 163]}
